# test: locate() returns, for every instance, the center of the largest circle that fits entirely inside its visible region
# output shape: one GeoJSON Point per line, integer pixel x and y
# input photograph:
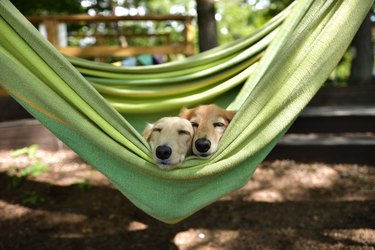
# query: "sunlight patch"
{"type": "Point", "coordinates": [136, 226]}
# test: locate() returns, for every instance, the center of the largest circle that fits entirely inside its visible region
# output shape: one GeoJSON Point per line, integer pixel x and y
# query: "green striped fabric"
{"type": "Point", "coordinates": [98, 110]}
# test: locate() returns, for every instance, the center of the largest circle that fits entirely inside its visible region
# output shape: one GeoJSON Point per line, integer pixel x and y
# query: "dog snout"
{"type": "Point", "coordinates": [163, 152]}
{"type": "Point", "coordinates": [202, 145]}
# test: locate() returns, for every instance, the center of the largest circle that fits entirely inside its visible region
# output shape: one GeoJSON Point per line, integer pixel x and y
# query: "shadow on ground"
{"type": "Point", "coordinates": [40, 215]}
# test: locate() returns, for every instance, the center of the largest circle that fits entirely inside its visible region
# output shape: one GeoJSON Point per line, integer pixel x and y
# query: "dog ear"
{"type": "Point", "coordinates": [229, 115]}
{"type": "Point", "coordinates": [185, 113]}
{"type": "Point", "coordinates": [147, 132]}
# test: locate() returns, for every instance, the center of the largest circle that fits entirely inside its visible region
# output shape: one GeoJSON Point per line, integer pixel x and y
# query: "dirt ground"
{"type": "Point", "coordinates": [53, 200]}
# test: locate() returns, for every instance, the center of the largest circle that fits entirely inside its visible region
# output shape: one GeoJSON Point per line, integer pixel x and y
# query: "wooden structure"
{"type": "Point", "coordinates": [51, 23]}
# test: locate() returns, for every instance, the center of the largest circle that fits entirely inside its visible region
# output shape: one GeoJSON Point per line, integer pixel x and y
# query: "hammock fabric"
{"type": "Point", "coordinates": [300, 55]}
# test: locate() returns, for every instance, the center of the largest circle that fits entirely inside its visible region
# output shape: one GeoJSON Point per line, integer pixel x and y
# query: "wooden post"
{"type": "Point", "coordinates": [189, 36]}
{"type": "Point", "coordinates": [168, 43]}
{"type": "Point", "coordinates": [51, 24]}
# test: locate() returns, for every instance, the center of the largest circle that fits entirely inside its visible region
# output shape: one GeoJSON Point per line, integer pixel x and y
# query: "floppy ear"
{"type": "Point", "coordinates": [229, 114]}
{"type": "Point", "coordinates": [147, 132]}
{"type": "Point", "coordinates": [185, 113]}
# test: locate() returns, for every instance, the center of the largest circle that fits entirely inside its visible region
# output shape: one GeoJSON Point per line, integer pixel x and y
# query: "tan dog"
{"type": "Point", "coordinates": [170, 141]}
{"type": "Point", "coordinates": [209, 123]}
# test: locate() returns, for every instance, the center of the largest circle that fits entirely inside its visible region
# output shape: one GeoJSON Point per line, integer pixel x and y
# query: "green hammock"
{"type": "Point", "coordinates": [269, 95]}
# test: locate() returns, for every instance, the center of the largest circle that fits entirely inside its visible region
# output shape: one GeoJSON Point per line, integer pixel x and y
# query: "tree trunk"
{"type": "Point", "coordinates": [206, 24]}
{"type": "Point", "coordinates": [363, 57]}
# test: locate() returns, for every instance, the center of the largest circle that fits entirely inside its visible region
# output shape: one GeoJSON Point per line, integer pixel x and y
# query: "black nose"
{"type": "Point", "coordinates": [202, 145]}
{"type": "Point", "coordinates": [163, 152]}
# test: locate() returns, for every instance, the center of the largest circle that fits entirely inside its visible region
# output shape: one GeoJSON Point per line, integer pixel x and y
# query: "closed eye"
{"type": "Point", "coordinates": [183, 132]}
{"type": "Point", "coordinates": [194, 124]}
{"type": "Point", "coordinates": [156, 130]}
{"type": "Point", "coordinates": [219, 124]}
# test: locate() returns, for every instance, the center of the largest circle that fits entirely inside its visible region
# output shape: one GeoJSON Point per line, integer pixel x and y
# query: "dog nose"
{"type": "Point", "coordinates": [202, 145]}
{"type": "Point", "coordinates": [163, 152]}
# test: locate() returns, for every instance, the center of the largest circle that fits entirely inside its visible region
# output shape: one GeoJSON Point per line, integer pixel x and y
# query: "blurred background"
{"type": "Point", "coordinates": [207, 23]}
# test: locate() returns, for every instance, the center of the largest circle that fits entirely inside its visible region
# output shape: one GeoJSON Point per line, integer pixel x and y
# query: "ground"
{"type": "Point", "coordinates": [53, 200]}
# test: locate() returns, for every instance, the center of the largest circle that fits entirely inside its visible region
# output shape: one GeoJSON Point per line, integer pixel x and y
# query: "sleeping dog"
{"type": "Point", "coordinates": [170, 141]}
{"type": "Point", "coordinates": [209, 123]}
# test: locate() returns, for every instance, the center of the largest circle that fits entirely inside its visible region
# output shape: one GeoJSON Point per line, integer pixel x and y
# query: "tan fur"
{"type": "Point", "coordinates": [173, 132]}
{"type": "Point", "coordinates": [209, 122]}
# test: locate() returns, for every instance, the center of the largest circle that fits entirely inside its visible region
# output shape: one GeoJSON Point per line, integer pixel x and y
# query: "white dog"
{"type": "Point", "coordinates": [170, 141]}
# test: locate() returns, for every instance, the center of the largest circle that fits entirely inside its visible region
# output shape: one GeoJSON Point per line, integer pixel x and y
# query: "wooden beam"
{"type": "Point", "coordinates": [124, 34]}
{"type": "Point", "coordinates": [117, 51]}
{"type": "Point", "coordinates": [186, 47]}
{"type": "Point", "coordinates": [87, 18]}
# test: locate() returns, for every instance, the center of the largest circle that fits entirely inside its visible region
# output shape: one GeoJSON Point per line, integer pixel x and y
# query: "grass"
{"type": "Point", "coordinates": [19, 175]}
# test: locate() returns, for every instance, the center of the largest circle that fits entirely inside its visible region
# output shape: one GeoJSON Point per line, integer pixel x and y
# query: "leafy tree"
{"type": "Point", "coordinates": [48, 7]}
{"type": "Point", "coordinates": [235, 18]}
{"type": "Point", "coordinates": [239, 18]}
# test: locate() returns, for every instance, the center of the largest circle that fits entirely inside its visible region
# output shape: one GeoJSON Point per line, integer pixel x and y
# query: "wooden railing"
{"type": "Point", "coordinates": [185, 47]}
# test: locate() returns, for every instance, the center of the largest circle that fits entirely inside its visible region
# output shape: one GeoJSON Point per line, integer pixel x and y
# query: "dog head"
{"type": "Point", "coordinates": [170, 141]}
{"type": "Point", "coordinates": [209, 123]}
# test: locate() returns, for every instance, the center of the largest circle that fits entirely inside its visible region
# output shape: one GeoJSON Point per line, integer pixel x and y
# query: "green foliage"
{"type": "Point", "coordinates": [236, 19]}
{"type": "Point", "coordinates": [362, 179]}
{"type": "Point", "coordinates": [31, 198]}
{"type": "Point", "coordinates": [239, 18]}
{"type": "Point", "coordinates": [234, 22]}
{"type": "Point", "coordinates": [16, 180]}
{"type": "Point", "coordinates": [84, 184]}
{"type": "Point", "coordinates": [340, 75]}
{"type": "Point", "coordinates": [48, 7]}
{"type": "Point", "coordinates": [19, 175]}
{"type": "Point", "coordinates": [30, 151]}
{"type": "Point", "coordinates": [35, 169]}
